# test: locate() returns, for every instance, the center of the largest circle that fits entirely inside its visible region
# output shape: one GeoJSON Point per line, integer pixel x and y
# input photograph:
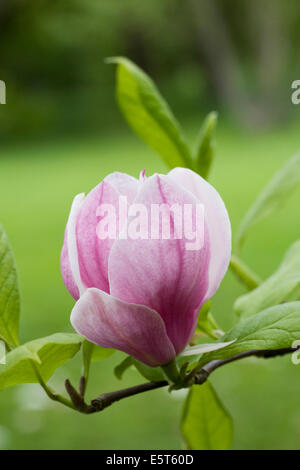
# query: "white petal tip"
{"type": "Point", "coordinates": [204, 348]}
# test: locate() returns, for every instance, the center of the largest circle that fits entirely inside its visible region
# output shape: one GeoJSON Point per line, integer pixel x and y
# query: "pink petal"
{"type": "Point", "coordinates": [162, 274]}
{"type": "Point", "coordinates": [124, 184]}
{"type": "Point", "coordinates": [218, 223]}
{"type": "Point", "coordinates": [92, 252]}
{"type": "Point", "coordinates": [112, 323]}
{"type": "Point", "coordinates": [69, 257]}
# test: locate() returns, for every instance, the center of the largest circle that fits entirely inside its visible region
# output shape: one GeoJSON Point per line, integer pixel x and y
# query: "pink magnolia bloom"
{"type": "Point", "coordinates": [143, 296]}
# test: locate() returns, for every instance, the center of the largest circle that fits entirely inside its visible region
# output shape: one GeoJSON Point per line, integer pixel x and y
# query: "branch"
{"type": "Point", "coordinates": [107, 399]}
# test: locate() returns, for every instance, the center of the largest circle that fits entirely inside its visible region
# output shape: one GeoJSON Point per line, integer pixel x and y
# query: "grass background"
{"type": "Point", "coordinates": [37, 184]}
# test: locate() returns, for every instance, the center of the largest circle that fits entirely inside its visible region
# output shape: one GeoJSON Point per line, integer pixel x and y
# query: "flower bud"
{"type": "Point", "coordinates": [138, 275]}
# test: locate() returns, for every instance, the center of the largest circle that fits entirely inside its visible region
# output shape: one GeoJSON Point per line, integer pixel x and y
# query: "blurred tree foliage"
{"type": "Point", "coordinates": [236, 55]}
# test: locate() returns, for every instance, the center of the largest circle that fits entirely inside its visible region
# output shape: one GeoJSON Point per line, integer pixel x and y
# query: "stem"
{"type": "Point", "coordinates": [51, 393]}
{"type": "Point", "coordinates": [244, 273]}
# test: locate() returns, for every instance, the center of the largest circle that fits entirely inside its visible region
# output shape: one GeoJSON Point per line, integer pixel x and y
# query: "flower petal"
{"type": "Point", "coordinates": [161, 273]}
{"type": "Point", "coordinates": [69, 256]}
{"type": "Point", "coordinates": [204, 348]}
{"type": "Point", "coordinates": [218, 223]}
{"type": "Point", "coordinates": [93, 252]}
{"type": "Point", "coordinates": [112, 323]}
{"type": "Point", "coordinates": [126, 185]}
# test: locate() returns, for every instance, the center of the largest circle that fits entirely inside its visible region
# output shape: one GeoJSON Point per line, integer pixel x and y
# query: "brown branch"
{"type": "Point", "coordinates": [107, 399]}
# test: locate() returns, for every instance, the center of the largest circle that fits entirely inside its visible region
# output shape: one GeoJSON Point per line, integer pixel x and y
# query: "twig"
{"type": "Point", "coordinates": [213, 365]}
{"type": "Point", "coordinates": [107, 399]}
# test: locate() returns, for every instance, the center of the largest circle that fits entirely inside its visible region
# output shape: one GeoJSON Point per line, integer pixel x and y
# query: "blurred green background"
{"type": "Point", "coordinates": [61, 133]}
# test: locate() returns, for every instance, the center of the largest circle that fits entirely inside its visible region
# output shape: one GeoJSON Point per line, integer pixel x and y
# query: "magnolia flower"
{"type": "Point", "coordinates": [142, 295]}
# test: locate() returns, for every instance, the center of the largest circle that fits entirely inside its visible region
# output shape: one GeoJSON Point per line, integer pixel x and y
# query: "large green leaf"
{"type": "Point", "coordinates": [44, 354]}
{"type": "Point", "coordinates": [206, 424]}
{"type": "Point", "coordinates": [283, 285]}
{"type": "Point", "coordinates": [9, 294]}
{"type": "Point", "coordinates": [274, 195]}
{"type": "Point", "coordinates": [206, 145]}
{"type": "Point", "coordinates": [274, 328]}
{"type": "Point", "coordinates": [148, 114]}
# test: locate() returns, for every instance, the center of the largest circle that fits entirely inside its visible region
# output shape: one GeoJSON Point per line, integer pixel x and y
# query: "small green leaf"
{"type": "Point", "coordinates": [148, 114]}
{"type": "Point", "coordinates": [274, 328]}
{"type": "Point", "coordinates": [92, 352]}
{"type": "Point", "coordinates": [154, 374]}
{"type": "Point", "coordinates": [48, 354]}
{"type": "Point", "coordinates": [123, 366]}
{"type": "Point", "coordinates": [9, 294]}
{"type": "Point", "coordinates": [272, 197]}
{"type": "Point", "coordinates": [283, 285]}
{"type": "Point", "coordinates": [100, 353]}
{"type": "Point", "coordinates": [205, 148]}
{"type": "Point", "coordinates": [206, 424]}
{"type": "Point", "coordinates": [206, 323]}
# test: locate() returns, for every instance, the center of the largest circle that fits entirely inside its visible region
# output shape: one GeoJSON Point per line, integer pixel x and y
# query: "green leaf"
{"type": "Point", "coordinates": [100, 353]}
{"type": "Point", "coordinates": [123, 366]}
{"type": "Point", "coordinates": [9, 294]}
{"type": "Point", "coordinates": [47, 353]}
{"type": "Point", "coordinates": [272, 197]}
{"type": "Point", "coordinates": [154, 374]}
{"type": "Point", "coordinates": [283, 285]}
{"type": "Point", "coordinates": [206, 323]}
{"type": "Point", "coordinates": [274, 328]}
{"type": "Point", "coordinates": [148, 114]}
{"type": "Point", "coordinates": [92, 352]}
{"type": "Point", "coordinates": [206, 424]}
{"type": "Point", "coordinates": [205, 148]}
